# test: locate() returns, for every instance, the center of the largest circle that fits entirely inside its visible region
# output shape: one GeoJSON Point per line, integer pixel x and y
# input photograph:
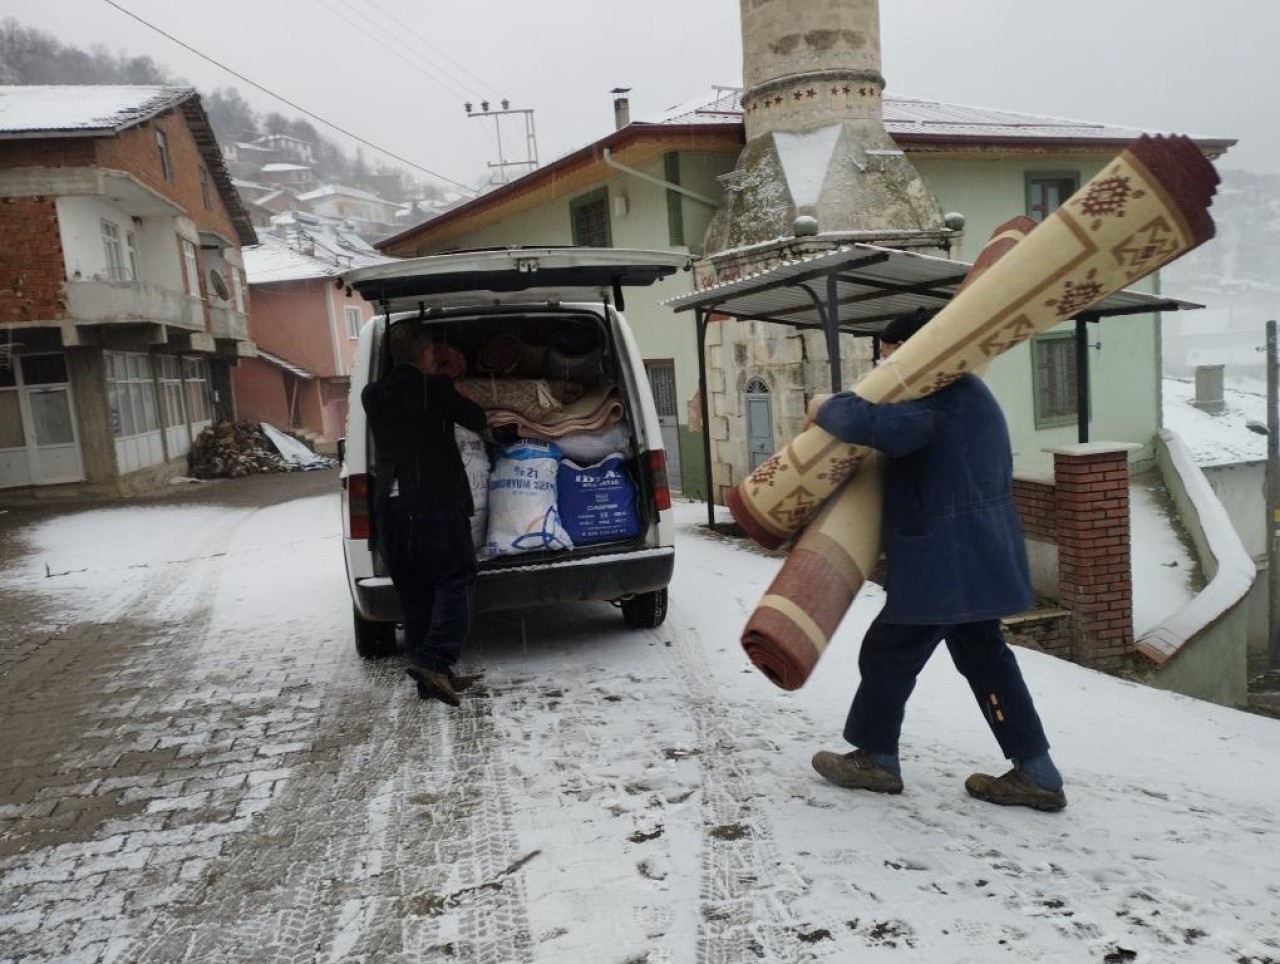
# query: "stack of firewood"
{"type": "Point", "coordinates": [230, 450]}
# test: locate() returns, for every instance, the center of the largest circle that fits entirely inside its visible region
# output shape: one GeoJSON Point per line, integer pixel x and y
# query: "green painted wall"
{"type": "Point", "coordinates": [1124, 372]}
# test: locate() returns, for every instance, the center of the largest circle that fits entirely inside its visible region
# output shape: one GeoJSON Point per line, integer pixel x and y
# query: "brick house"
{"type": "Point", "coordinates": [305, 329]}
{"type": "Point", "coordinates": [123, 302]}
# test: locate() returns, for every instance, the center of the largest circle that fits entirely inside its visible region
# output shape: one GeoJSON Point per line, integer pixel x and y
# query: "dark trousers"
{"type": "Point", "coordinates": [894, 654]}
{"type": "Point", "coordinates": [433, 567]}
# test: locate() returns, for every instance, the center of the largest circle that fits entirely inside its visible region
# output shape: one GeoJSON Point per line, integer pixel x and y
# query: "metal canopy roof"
{"type": "Point", "coordinates": [872, 285]}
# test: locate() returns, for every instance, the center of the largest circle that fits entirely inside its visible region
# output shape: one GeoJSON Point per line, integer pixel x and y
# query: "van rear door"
{"type": "Point", "coordinates": [516, 274]}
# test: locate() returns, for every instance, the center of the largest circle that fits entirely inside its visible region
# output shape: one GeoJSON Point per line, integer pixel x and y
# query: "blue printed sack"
{"type": "Point", "coordinates": [597, 502]}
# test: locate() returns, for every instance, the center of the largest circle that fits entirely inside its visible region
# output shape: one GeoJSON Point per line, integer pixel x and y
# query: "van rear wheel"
{"type": "Point", "coordinates": [373, 640]}
{"type": "Point", "coordinates": [645, 610]}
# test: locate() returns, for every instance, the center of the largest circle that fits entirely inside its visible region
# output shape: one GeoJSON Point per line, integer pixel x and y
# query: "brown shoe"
{"type": "Point", "coordinates": [1014, 790]}
{"type": "Point", "coordinates": [856, 771]}
{"type": "Point", "coordinates": [433, 685]}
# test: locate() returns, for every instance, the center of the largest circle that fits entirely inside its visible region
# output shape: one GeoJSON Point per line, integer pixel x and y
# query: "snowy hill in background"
{"type": "Point", "coordinates": [1236, 276]}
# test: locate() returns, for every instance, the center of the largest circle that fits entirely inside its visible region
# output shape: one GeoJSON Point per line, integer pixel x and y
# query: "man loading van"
{"type": "Point", "coordinates": [424, 505]}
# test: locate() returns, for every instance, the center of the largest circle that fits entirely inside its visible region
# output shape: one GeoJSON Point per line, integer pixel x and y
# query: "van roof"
{"type": "Point", "coordinates": [552, 274]}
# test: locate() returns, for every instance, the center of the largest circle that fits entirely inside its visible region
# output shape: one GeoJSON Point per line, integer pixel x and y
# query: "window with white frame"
{"type": "Point", "coordinates": [162, 145]}
{"type": "Point", "coordinates": [205, 194]}
{"type": "Point", "coordinates": [131, 255]}
{"type": "Point", "coordinates": [237, 288]}
{"type": "Point", "coordinates": [191, 266]}
{"type": "Point", "coordinates": [195, 375]}
{"type": "Point", "coordinates": [113, 253]}
{"type": "Point", "coordinates": [353, 321]}
{"type": "Point", "coordinates": [172, 407]}
{"type": "Point", "coordinates": [131, 397]}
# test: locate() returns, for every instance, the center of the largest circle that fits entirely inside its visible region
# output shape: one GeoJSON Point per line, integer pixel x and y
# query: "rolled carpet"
{"type": "Point", "coordinates": [804, 605]}
{"type": "Point", "coordinates": [789, 630]}
{"type": "Point", "coordinates": [1147, 207]}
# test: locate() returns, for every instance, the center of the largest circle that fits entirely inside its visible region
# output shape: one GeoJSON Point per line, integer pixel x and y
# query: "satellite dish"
{"type": "Point", "coordinates": [219, 284]}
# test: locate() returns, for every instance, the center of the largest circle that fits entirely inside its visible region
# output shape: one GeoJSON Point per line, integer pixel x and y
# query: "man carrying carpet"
{"type": "Point", "coordinates": [955, 562]}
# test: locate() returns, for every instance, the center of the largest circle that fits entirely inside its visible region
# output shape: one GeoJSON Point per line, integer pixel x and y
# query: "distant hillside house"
{"type": "Point", "coordinates": [370, 216]}
{"type": "Point", "coordinates": [288, 148]}
{"type": "Point", "coordinates": [655, 185]}
{"type": "Point", "coordinates": [299, 177]}
{"type": "Point", "coordinates": [123, 303]}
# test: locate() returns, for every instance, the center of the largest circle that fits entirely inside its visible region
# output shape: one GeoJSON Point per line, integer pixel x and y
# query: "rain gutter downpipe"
{"type": "Point", "coordinates": [669, 185]}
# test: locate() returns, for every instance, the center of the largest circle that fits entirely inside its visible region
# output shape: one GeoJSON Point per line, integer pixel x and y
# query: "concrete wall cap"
{"type": "Point", "coordinates": [1084, 449]}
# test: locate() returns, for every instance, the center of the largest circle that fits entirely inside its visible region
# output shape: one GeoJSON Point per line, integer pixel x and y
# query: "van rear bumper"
{"type": "Point", "coordinates": [519, 587]}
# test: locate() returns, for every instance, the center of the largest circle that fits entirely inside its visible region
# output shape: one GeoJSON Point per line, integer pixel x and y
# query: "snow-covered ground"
{"type": "Point", "coordinates": [658, 790]}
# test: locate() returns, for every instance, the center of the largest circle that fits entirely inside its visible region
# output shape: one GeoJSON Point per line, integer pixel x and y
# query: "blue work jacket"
{"type": "Point", "coordinates": [953, 545]}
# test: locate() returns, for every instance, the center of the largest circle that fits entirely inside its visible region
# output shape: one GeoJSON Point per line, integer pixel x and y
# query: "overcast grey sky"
{"type": "Point", "coordinates": [398, 71]}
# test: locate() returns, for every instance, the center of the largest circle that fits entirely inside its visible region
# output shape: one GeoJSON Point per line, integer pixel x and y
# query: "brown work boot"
{"type": "Point", "coordinates": [856, 771]}
{"type": "Point", "coordinates": [1014, 789]}
{"type": "Point", "coordinates": [433, 685]}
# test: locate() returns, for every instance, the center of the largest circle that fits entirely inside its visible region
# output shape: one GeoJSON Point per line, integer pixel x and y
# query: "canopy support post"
{"type": "Point", "coordinates": [701, 316]}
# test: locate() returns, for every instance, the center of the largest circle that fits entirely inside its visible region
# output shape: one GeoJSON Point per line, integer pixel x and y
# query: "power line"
{"type": "Point", "coordinates": [457, 91]}
{"type": "Point", "coordinates": [285, 100]}
{"type": "Point", "coordinates": [481, 81]}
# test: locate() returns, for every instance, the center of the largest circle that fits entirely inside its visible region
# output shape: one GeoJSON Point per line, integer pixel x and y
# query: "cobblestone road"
{"type": "Point", "coordinates": [174, 791]}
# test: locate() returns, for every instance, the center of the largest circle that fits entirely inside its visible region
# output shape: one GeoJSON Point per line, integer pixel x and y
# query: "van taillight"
{"type": "Point", "coordinates": [656, 460]}
{"type": "Point", "coordinates": [358, 506]}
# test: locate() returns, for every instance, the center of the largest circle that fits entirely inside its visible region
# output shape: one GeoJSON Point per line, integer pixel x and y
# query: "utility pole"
{"type": "Point", "coordinates": [1272, 678]}
{"type": "Point", "coordinates": [530, 136]}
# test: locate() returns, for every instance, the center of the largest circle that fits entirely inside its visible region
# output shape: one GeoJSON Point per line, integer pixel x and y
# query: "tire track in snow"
{"type": "Point", "coordinates": [747, 887]}
{"type": "Point", "coordinates": [398, 847]}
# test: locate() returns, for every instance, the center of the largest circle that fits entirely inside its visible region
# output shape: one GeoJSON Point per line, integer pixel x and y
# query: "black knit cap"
{"type": "Point", "coordinates": [904, 326]}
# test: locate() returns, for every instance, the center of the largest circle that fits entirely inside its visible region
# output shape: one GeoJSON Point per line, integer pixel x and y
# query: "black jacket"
{"type": "Point", "coordinates": [412, 416]}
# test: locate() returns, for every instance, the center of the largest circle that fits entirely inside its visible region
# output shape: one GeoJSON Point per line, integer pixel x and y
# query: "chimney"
{"type": "Point", "coordinates": [621, 107]}
{"type": "Point", "coordinates": [1209, 389]}
{"type": "Point", "coordinates": [816, 141]}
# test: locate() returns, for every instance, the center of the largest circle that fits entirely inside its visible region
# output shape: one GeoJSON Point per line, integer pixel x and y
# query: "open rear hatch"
{"type": "Point", "coordinates": [477, 298]}
{"type": "Point", "coordinates": [544, 274]}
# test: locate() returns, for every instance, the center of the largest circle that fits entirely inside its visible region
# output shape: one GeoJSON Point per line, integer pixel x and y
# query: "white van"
{"type": "Point", "coordinates": [526, 298]}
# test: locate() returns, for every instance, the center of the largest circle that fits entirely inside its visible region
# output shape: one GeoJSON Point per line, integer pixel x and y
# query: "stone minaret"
{"type": "Point", "coordinates": [816, 141]}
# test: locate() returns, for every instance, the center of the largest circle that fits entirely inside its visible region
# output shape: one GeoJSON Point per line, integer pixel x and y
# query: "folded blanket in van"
{"type": "Point", "coordinates": [530, 398]}
{"type": "Point", "coordinates": [1147, 207]}
{"type": "Point", "coordinates": [598, 409]}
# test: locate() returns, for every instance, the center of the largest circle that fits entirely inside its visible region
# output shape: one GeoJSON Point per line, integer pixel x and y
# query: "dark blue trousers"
{"type": "Point", "coordinates": [892, 657]}
{"type": "Point", "coordinates": [433, 567]}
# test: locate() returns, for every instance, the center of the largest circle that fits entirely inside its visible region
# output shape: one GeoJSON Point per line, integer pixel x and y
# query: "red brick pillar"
{"type": "Point", "coordinates": [1095, 583]}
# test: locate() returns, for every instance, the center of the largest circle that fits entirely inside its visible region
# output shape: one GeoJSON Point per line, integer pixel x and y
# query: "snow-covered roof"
{"type": "Point", "coordinates": [326, 254]}
{"type": "Point", "coordinates": [910, 117]}
{"type": "Point", "coordinates": [1222, 439]}
{"type": "Point", "coordinates": [332, 190]}
{"type": "Point", "coordinates": [81, 110]}
{"type": "Point", "coordinates": [281, 166]}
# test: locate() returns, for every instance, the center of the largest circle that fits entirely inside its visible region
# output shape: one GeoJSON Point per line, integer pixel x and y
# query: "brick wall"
{"type": "Point", "coordinates": [1084, 512]}
{"type": "Point", "coordinates": [1037, 507]}
{"type": "Point", "coordinates": [31, 260]}
{"type": "Point", "coordinates": [1094, 560]}
{"type": "Point", "coordinates": [135, 151]}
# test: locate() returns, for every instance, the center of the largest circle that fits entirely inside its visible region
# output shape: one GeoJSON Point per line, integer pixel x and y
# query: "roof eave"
{"type": "Point", "coordinates": [1212, 147]}
{"type": "Point", "coordinates": [622, 137]}
{"type": "Point", "coordinates": [198, 121]}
